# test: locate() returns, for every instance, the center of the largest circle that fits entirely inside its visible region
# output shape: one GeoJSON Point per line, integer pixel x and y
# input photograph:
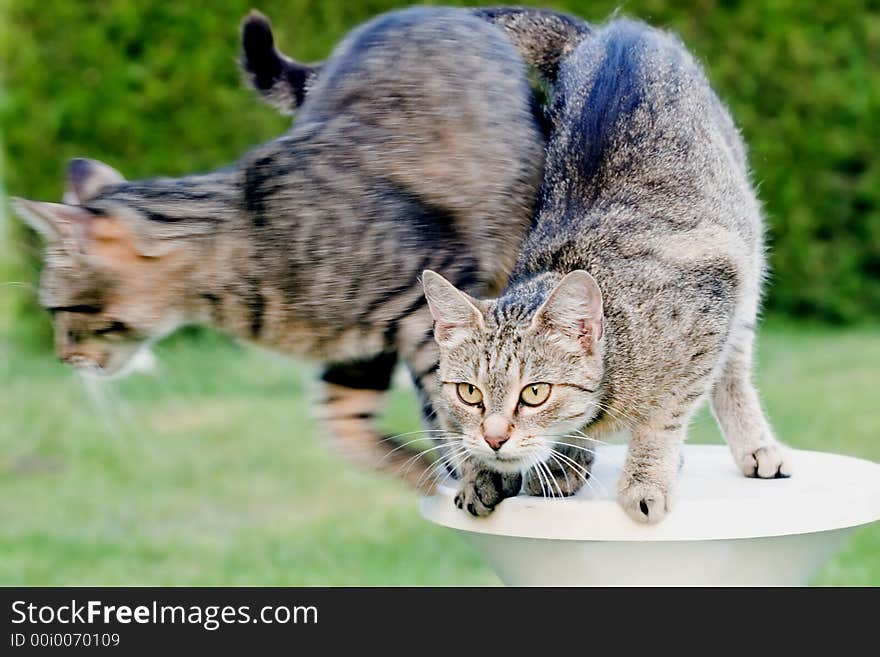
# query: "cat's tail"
{"type": "Point", "coordinates": [280, 80]}
{"type": "Point", "coordinates": [543, 38]}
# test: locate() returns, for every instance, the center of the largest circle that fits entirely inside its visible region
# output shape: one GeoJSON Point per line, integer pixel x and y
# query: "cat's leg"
{"type": "Point", "coordinates": [353, 396]}
{"type": "Point", "coordinates": [563, 474]}
{"type": "Point", "coordinates": [481, 490]}
{"type": "Point", "coordinates": [650, 471]}
{"type": "Point", "coordinates": [738, 411]}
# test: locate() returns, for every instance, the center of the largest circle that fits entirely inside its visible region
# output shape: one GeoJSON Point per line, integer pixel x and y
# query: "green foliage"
{"type": "Point", "coordinates": [153, 89]}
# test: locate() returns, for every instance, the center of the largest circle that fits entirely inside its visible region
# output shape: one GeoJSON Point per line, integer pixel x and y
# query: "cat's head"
{"type": "Point", "coordinates": [518, 381]}
{"type": "Point", "coordinates": [107, 284]}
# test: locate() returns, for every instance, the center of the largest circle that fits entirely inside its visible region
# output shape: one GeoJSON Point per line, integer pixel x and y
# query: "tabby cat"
{"type": "Point", "coordinates": [542, 37]}
{"type": "Point", "coordinates": [416, 148]}
{"type": "Point", "coordinates": [633, 298]}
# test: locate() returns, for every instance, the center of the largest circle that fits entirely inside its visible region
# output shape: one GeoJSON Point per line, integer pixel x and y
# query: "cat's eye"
{"type": "Point", "coordinates": [469, 394]}
{"type": "Point", "coordinates": [113, 330]}
{"type": "Point", "coordinates": [84, 309]}
{"type": "Point", "coordinates": [535, 394]}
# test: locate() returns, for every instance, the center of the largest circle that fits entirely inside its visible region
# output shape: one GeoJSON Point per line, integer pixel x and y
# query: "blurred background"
{"type": "Point", "coordinates": [209, 470]}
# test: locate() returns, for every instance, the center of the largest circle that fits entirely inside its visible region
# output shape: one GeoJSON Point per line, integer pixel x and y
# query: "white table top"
{"type": "Point", "coordinates": [714, 501]}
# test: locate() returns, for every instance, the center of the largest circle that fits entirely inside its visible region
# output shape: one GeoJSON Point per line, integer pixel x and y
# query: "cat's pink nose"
{"type": "Point", "coordinates": [496, 431]}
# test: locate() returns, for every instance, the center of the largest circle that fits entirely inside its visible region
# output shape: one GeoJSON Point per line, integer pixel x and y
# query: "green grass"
{"type": "Point", "coordinates": [210, 471]}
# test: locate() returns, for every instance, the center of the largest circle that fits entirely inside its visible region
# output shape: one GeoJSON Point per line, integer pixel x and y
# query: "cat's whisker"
{"type": "Point", "coordinates": [410, 442]}
{"type": "Point", "coordinates": [555, 480]}
{"type": "Point", "coordinates": [120, 405]}
{"type": "Point", "coordinates": [580, 434]}
{"type": "Point", "coordinates": [407, 465]}
{"type": "Point", "coordinates": [571, 490]}
{"type": "Point", "coordinates": [590, 479]}
{"type": "Point", "coordinates": [578, 447]}
{"type": "Point", "coordinates": [24, 284]}
{"type": "Point", "coordinates": [545, 492]}
{"type": "Point", "coordinates": [582, 471]}
{"type": "Point", "coordinates": [420, 431]}
{"type": "Point", "coordinates": [461, 456]}
{"type": "Point", "coordinates": [97, 395]}
{"type": "Point", "coordinates": [532, 467]}
{"type": "Point", "coordinates": [455, 468]}
{"type": "Point", "coordinates": [544, 478]}
{"type": "Point", "coordinates": [567, 458]}
{"type": "Point", "coordinates": [433, 471]}
{"type": "Point", "coordinates": [622, 416]}
{"type": "Point", "coordinates": [555, 456]}
{"type": "Point", "coordinates": [552, 479]}
{"type": "Point", "coordinates": [404, 446]}
{"type": "Point", "coordinates": [564, 470]}
{"type": "Point", "coordinates": [542, 467]}
{"type": "Point", "coordinates": [436, 468]}
{"type": "Point", "coordinates": [571, 462]}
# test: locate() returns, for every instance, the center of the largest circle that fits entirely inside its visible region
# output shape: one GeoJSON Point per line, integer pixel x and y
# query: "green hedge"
{"type": "Point", "coordinates": [152, 88]}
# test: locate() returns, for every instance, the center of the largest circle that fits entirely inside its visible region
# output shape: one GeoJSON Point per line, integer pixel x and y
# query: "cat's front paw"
{"type": "Point", "coordinates": [644, 501]}
{"type": "Point", "coordinates": [558, 483]}
{"type": "Point", "coordinates": [482, 490]}
{"type": "Point", "coordinates": [767, 462]}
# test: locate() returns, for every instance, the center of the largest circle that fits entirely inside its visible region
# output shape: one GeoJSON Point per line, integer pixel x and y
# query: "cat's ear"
{"type": "Point", "coordinates": [54, 221]}
{"type": "Point", "coordinates": [86, 179]}
{"type": "Point", "coordinates": [455, 313]}
{"type": "Point", "coordinates": [81, 232]}
{"type": "Point", "coordinates": [574, 308]}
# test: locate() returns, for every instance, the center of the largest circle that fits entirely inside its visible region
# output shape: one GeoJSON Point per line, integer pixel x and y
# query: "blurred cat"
{"type": "Point", "coordinates": [416, 148]}
{"type": "Point", "coordinates": [542, 37]}
{"type": "Point", "coordinates": [635, 294]}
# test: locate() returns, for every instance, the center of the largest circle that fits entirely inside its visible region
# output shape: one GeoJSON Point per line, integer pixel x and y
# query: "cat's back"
{"type": "Point", "coordinates": [413, 54]}
{"type": "Point", "coordinates": [646, 165]}
{"type": "Point", "coordinates": [434, 97]}
{"type": "Point", "coordinates": [640, 124]}
{"type": "Point", "coordinates": [435, 102]}
{"type": "Point", "coordinates": [647, 189]}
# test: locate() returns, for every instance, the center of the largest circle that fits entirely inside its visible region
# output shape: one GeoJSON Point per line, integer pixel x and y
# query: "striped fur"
{"type": "Point", "coordinates": [542, 37]}
{"type": "Point", "coordinates": [635, 294]}
{"type": "Point", "coordinates": [415, 148]}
